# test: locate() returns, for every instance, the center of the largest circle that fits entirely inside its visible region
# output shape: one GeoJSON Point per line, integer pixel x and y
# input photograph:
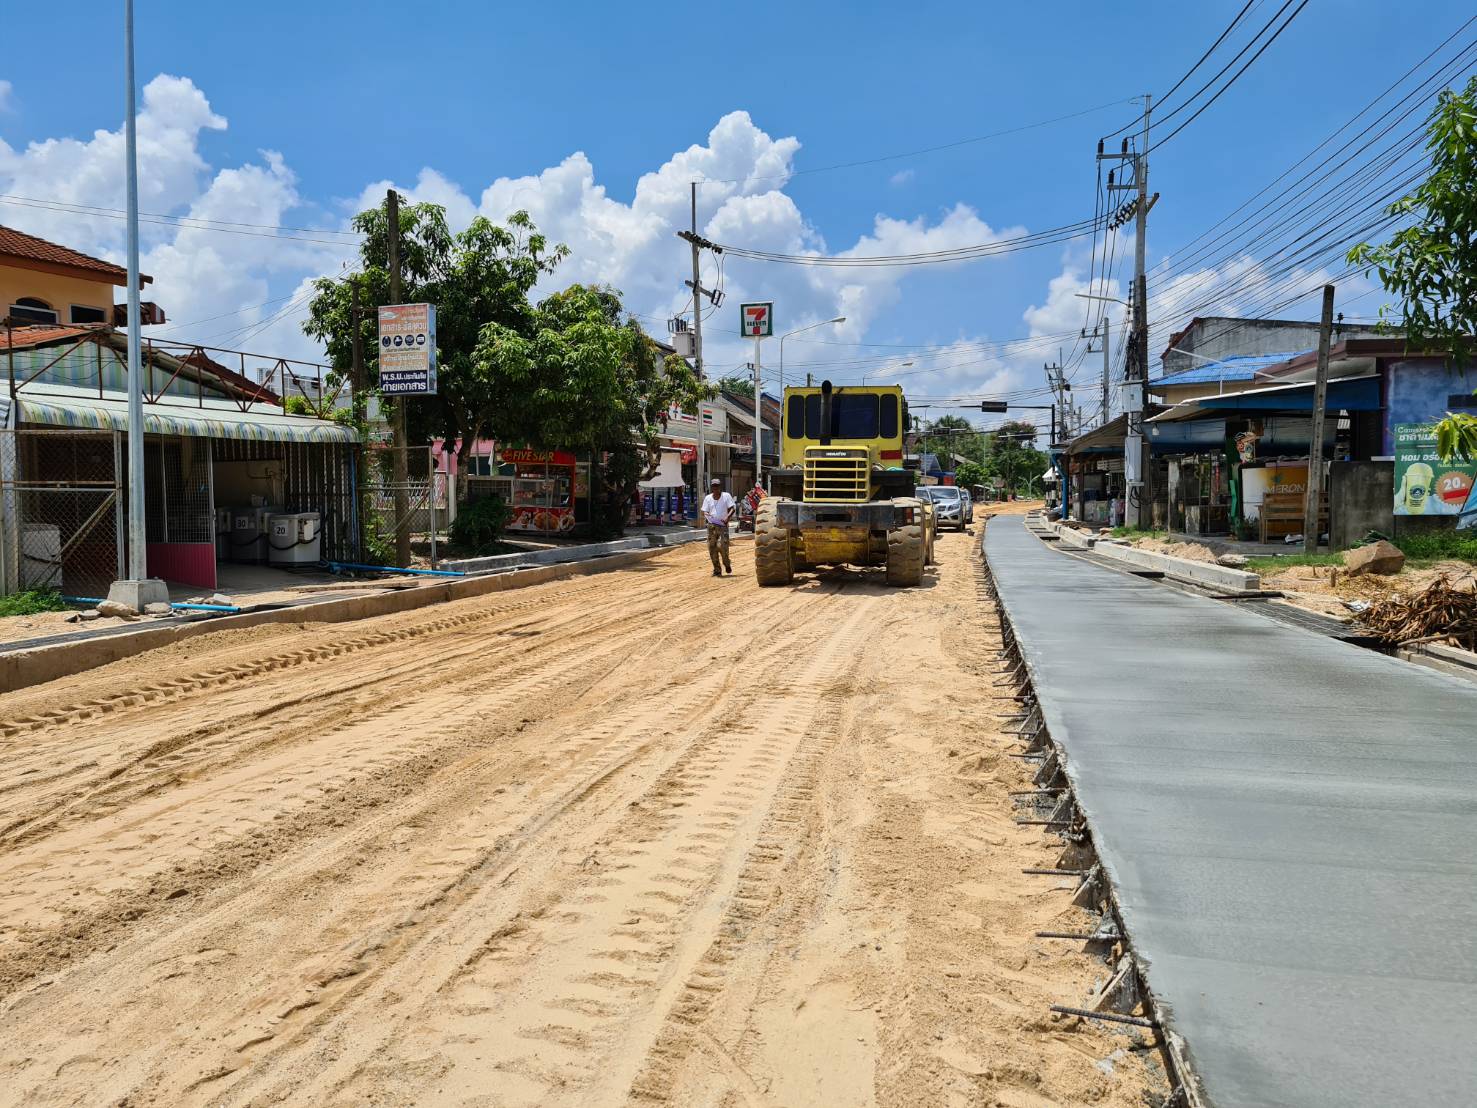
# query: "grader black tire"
{"type": "Point", "coordinates": [774, 561]}
{"type": "Point", "coordinates": [905, 550]}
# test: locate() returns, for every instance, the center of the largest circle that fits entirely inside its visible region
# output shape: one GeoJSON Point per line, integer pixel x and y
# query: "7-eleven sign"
{"type": "Point", "coordinates": [757, 320]}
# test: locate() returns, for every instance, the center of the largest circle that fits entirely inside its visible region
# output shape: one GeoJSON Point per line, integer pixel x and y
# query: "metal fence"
{"type": "Point", "coordinates": [61, 510]}
{"type": "Point", "coordinates": [426, 518]}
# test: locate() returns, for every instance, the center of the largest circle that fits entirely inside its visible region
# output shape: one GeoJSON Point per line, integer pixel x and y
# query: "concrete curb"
{"type": "Point", "coordinates": [22, 668]}
{"type": "Point", "coordinates": [1077, 540]}
{"type": "Point", "coordinates": [554, 555]}
{"type": "Point", "coordinates": [1447, 659]}
{"type": "Point", "coordinates": [1182, 569]}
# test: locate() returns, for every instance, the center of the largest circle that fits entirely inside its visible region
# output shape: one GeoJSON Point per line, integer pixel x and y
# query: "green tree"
{"type": "Point", "coordinates": [970, 474]}
{"type": "Point", "coordinates": [1456, 437]}
{"type": "Point", "coordinates": [585, 379]}
{"type": "Point", "coordinates": [949, 435]}
{"type": "Point", "coordinates": [739, 385]}
{"type": "Point", "coordinates": [1013, 456]}
{"type": "Point", "coordinates": [1431, 264]}
{"type": "Point", "coordinates": [481, 275]}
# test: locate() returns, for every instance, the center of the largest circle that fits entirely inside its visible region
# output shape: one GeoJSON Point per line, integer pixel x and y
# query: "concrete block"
{"type": "Point", "coordinates": [139, 594]}
{"type": "Point", "coordinates": [1183, 569]}
{"type": "Point", "coordinates": [1075, 539]}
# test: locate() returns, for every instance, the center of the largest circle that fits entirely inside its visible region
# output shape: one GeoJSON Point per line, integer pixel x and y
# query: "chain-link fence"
{"type": "Point", "coordinates": [427, 504]}
{"type": "Point", "coordinates": [61, 514]}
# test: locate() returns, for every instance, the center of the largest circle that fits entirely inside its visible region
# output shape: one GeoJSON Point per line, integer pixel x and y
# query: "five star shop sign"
{"type": "Point", "coordinates": [757, 320]}
{"type": "Point", "coordinates": [407, 353]}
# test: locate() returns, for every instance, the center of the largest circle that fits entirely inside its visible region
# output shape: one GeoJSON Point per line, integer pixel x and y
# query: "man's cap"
{"type": "Point", "coordinates": [715, 481]}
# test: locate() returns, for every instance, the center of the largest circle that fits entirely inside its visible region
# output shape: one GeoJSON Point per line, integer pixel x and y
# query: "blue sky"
{"type": "Point", "coordinates": [349, 96]}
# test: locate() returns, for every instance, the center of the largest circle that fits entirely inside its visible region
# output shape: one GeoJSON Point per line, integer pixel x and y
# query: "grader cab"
{"type": "Point", "coordinates": [842, 495]}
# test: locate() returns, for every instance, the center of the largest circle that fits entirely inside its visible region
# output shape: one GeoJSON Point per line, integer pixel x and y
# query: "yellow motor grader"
{"type": "Point", "coordinates": [842, 495]}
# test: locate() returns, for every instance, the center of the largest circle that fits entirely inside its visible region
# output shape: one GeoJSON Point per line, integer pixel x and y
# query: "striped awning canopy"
{"type": "Point", "coordinates": [263, 423]}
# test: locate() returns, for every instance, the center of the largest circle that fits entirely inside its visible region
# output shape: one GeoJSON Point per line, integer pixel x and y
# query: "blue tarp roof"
{"type": "Point", "coordinates": [1240, 367]}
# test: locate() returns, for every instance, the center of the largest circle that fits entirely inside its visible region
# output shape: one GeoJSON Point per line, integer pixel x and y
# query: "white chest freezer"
{"type": "Point", "coordinates": [293, 539]}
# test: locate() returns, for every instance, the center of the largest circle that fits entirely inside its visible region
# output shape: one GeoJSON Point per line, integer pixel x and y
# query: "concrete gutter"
{"type": "Point", "coordinates": [1448, 659]}
{"type": "Point", "coordinates": [1206, 574]}
{"type": "Point", "coordinates": [22, 668]}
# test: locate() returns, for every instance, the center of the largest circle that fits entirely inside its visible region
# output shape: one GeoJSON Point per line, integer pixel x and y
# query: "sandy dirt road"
{"type": "Point", "coordinates": [642, 838]}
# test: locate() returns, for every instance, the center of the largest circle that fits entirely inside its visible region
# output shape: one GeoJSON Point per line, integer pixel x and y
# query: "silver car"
{"type": "Point", "coordinates": [948, 505]}
{"type": "Point", "coordinates": [968, 498]}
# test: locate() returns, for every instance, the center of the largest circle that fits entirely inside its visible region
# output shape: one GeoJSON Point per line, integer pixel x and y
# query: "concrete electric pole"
{"type": "Point", "coordinates": [697, 350]}
{"type": "Point", "coordinates": [1313, 496]}
{"type": "Point", "coordinates": [1137, 512]}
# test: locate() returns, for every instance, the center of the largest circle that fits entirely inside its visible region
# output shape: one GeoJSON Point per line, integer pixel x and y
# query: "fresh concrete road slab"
{"type": "Point", "coordinates": [1288, 821]}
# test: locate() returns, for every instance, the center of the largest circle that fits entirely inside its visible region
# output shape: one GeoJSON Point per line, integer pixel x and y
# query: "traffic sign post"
{"type": "Point", "coordinates": [407, 349]}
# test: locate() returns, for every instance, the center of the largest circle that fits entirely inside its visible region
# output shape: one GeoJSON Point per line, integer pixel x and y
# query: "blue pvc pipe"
{"type": "Point", "coordinates": [186, 607]}
{"type": "Point", "coordinates": [335, 567]}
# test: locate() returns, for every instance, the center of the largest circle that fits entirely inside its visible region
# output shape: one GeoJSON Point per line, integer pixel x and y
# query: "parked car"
{"type": "Point", "coordinates": [968, 498]}
{"type": "Point", "coordinates": [948, 505]}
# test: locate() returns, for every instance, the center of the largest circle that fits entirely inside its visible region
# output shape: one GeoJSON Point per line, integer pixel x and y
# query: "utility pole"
{"type": "Point", "coordinates": [1137, 512]}
{"type": "Point", "coordinates": [697, 350]}
{"type": "Point", "coordinates": [356, 402]}
{"type": "Point", "coordinates": [1313, 496]}
{"type": "Point", "coordinates": [1141, 302]}
{"type": "Point", "coordinates": [1104, 329]}
{"type": "Point", "coordinates": [397, 446]}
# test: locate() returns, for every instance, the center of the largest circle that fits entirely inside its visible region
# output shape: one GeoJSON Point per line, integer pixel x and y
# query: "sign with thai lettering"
{"type": "Point", "coordinates": [407, 349]}
{"type": "Point", "coordinates": [1424, 484]}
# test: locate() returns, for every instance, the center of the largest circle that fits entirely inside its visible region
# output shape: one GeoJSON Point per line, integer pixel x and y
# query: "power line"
{"type": "Point", "coordinates": [919, 152]}
{"type": "Point", "coordinates": [963, 253]}
{"type": "Point", "coordinates": [261, 230]}
{"type": "Point", "coordinates": [1237, 74]}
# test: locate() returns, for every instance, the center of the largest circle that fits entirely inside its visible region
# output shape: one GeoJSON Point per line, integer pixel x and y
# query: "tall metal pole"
{"type": "Point", "coordinates": [1313, 496]}
{"type": "Point", "coordinates": [138, 560]}
{"type": "Point", "coordinates": [397, 446]}
{"type": "Point", "coordinates": [697, 351]}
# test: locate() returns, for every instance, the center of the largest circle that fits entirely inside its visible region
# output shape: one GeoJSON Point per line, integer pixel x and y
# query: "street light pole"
{"type": "Point", "coordinates": [787, 334]}
{"type": "Point", "coordinates": [137, 538]}
{"type": "Point", "coordinates": [886, 369]}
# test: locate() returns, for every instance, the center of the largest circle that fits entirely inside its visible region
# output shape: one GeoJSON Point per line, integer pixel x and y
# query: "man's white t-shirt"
{"type": "Point", "coordinates": [717, 511]}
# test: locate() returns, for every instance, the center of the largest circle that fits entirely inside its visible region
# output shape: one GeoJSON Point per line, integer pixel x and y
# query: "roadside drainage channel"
{"type": "Point", "coordinates": [1124, 998]}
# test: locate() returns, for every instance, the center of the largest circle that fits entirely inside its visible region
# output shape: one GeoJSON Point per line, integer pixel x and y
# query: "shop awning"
{"type": "Point", "coordinates": [1349, 394]}
{"type": "Point", "coordinates": [216, 420]}
{"type": "Point", "coordinates": [691, 440]}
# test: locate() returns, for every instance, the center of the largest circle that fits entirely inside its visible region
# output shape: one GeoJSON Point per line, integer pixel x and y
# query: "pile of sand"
{"type": "Point", "coordinates": [1192, 551]}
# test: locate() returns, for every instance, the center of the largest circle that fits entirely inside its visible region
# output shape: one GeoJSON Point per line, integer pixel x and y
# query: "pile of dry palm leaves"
{"type": "Point", "coordinates": [1442, 610]}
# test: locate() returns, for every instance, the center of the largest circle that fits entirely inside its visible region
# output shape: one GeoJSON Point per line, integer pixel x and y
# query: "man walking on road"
{"type": "Point", "coordinates": [717, 508]}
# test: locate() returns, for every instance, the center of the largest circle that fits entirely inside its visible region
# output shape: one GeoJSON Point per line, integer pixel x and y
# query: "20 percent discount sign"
{"type": "Point", "coordinates": [757, 320]}
{"type": "Point", "coordinates": [407, 353]}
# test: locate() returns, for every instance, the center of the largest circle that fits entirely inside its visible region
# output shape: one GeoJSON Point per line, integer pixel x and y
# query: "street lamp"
{"type": "Point", "coordinates": [887, 369]}
{"type": "Point", "coordinates": [796, 331]}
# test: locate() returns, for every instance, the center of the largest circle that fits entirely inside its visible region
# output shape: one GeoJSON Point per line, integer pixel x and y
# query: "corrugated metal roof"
{"type": "Point", "coordinates": [1239, 367]}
